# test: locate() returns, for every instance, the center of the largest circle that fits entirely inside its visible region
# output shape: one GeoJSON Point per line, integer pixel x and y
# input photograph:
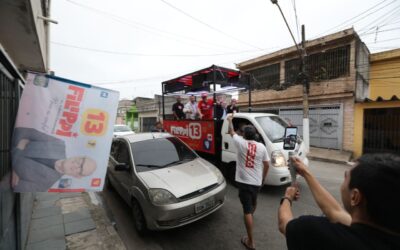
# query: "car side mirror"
{"type": "Point", "coordinates": [122, 167]}
{"type": "Point", "coordinates": [290, 138]}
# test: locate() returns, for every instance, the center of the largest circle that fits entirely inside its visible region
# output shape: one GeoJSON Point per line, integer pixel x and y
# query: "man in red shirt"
{"type": "Point", "coordinates": [205, 107]}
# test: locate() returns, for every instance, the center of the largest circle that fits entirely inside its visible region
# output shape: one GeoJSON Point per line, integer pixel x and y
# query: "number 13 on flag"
{"type": "Point", "coordinates": [94, 122]}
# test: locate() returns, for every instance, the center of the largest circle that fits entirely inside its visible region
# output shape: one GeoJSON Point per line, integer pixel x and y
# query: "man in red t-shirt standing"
{"type": "Point", "coordinates": [205, 107]}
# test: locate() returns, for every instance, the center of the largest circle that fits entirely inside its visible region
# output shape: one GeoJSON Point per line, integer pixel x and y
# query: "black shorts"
{"type": "Point", "coordinates": [248, 197]}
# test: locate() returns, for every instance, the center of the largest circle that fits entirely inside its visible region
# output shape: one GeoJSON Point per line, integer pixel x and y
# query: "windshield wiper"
{"type": "Point", "coordinates": [148, 166]}
{"type": "Point", "coordinates": [177, 162]}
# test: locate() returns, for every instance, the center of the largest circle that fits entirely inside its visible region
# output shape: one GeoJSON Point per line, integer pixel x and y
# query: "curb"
{"type": "Point", "coordinates": [316, 158]}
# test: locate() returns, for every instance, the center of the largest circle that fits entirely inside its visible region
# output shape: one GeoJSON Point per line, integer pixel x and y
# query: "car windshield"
{"type": "Point", "coordinates": [160, 153]}
{"type": "Point", "coordinates": [273, 127]}
{"type": "Point", "coordinates": [122, 129]}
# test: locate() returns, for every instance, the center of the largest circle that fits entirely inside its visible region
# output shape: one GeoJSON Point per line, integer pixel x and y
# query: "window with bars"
{"type": "Point", "coordinates": [327, 65]}
{"type": "Point", "coordinates": [8, 112]}
{"type": "Point", "coordinates": [266, 77]}
{"type": "Point", "coordinates": [292, 70]}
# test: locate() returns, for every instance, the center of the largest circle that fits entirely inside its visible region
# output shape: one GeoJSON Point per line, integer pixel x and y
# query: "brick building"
{"type": "Point", "coordinates": [123, 107]}
{"type": "Point", "coordinates": [338, 68]}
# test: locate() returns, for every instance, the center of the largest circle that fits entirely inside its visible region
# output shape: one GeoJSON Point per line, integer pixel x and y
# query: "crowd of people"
{"type": "Point", "coordinates": [204, 109]}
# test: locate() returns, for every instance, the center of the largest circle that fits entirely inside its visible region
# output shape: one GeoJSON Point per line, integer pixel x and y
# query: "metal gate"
{"type": "Point", "coordinates": [381, 130]}
{"type": "Point", "coordinates": [326, 124]}
{"type": "Point", "coordinates": [10, 231]}
{"type": "Point", "coordinates": [8, 110]}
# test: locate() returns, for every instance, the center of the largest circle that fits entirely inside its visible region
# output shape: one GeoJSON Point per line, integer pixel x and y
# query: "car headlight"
{"type": "Point", "coordinates": [278, 159]}
{"type": "Point", "coordinates": [220, 177]}
{"type": "Point", "coordinates": [160, 196]}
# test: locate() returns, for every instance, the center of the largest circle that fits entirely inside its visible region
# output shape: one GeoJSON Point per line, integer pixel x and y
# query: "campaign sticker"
{"type": "Point", "coordinates": [65, 183]}
{"type": "Point", "coordinates": [104, 94]}
{"type": "Point", "coordinates": [96, 182]}
{"type": "Point", "coordinates": [207, 144]}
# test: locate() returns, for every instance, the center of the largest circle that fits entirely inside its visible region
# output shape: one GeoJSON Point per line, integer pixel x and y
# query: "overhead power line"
{"type": "Point", "coordinates": [375, 23]}
{"type": "Point", "coordinates": [208, 25]}
{"type": "Point", "coordinates": [354, 19]}
{"type": "Point", "coordinates": [380, 31]}
{"type": "Point", "coordinates": [150, 29]}
{"type": "Point", "coordinates": [297, 20]}
{"type": "Point", "coordinates": [389, 21]}
{"type": "Point", "coordinates": [134, 81]}
{"type": "Point", "coordinates": [152, 55]}
{"type": "Point", "coordinates": [387, 40]}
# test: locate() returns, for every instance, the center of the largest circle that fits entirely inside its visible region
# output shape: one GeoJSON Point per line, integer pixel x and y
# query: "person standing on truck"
{"type": "Point", "coordinates": [191, 109]}
{"type": "Point", "coordinates": [205, 107]}
{"type": "Point", "coordinates": [220, 111]}
{"type": "Point", "coordinates": [177, 109]}
{"type": "Point", "coordinates": [232, 108]}
{"type": "Point", "coordinates": [252, 164]}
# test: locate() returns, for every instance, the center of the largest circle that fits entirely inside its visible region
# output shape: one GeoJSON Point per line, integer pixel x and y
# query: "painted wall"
{"type": "Point", "coordinates": [384, 75]}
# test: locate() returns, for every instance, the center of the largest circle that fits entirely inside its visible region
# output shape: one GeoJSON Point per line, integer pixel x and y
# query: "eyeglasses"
{"type": "Point", "coordinates": [81, 166]}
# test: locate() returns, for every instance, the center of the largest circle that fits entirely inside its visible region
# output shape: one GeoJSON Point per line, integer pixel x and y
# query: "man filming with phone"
{"type": "Point", "coordinates": [252, 165]}
{"type": "Point", "coordinates": [370, 218]}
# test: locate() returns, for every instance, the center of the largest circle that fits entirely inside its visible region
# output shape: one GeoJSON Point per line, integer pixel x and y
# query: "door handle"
{"type": "Point", "coordinates": [226, 145]}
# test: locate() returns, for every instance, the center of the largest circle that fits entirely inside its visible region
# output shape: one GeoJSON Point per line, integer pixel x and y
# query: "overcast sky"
{"type": "Point", "coordinates": [132, 46]}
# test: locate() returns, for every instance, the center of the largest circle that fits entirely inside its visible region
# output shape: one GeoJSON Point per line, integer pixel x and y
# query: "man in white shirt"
{"type": "Point", "coordinates": [252, 165]}
{"type": "Point", "coordinates": [190, 109]}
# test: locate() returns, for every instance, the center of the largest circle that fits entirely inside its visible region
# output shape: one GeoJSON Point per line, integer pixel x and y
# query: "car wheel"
{"type": "Point", "coordinates": [138, 216]}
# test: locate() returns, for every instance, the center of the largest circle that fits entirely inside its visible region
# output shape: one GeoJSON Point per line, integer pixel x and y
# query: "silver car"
{"type": "Point", "coordinates": [165, 182]}
{"type": "Point", "coordinates": [121, 129]}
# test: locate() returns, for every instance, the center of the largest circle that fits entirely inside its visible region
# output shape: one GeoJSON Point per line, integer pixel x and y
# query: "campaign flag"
{"type": "Point", "coordinates": [62, 135]}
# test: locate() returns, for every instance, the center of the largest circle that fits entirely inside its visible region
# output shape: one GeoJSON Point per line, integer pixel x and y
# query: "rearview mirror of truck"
{"type": "Point", "coordinates": [290, 138]}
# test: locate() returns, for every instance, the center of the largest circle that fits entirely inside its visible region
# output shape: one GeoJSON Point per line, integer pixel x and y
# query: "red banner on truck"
{"type": "Point", "coordinates": [199, 135]}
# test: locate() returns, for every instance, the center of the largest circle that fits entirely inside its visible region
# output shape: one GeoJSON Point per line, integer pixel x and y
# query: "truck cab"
{"type": "Point", "coordinates": [271, 130]}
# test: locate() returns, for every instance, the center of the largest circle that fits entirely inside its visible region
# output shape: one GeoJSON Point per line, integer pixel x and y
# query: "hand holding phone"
{"type": "Point", "coordinates": [292, 168]}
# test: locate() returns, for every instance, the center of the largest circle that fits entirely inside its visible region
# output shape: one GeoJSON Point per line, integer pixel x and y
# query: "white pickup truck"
{"type": "Point", "coordinates": [271, 130]}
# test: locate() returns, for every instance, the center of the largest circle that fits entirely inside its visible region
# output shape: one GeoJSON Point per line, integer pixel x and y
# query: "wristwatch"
{"type": "Point", "coordinates": [285, 198]}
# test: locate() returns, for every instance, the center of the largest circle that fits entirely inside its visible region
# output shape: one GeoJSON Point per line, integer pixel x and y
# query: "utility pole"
{"type": "Point", "coordinates": [302, 78]}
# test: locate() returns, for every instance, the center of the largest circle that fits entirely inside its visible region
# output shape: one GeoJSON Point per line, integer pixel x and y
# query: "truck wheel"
{"type": "Point", "coordinates": [138, 217]}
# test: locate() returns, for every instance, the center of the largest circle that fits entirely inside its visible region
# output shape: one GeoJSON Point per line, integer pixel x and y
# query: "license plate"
{"type": "Point", "coordinates": [204, 205]}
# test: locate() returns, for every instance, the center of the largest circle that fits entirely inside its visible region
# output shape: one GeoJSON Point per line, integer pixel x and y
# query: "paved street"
{"type": "Point", "coordinates": [223, 229]}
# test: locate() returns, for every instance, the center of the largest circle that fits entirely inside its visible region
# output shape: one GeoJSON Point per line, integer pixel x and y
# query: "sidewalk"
{"type": "Point", "coordinates": [70, 221]}
{"type": "Point", "coordinates": [329, 155]}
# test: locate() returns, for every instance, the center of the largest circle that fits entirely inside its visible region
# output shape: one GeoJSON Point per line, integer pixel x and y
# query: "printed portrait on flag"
{"type": "Point", "coordinates": [62, 136]}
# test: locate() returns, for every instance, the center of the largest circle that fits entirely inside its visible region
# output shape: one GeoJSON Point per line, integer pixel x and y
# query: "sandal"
{"type": "Point", "coordinates": [244, 242]}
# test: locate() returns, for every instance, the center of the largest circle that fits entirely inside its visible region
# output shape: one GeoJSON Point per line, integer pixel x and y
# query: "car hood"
{"type": "Point", "coordinates": [181, 179]}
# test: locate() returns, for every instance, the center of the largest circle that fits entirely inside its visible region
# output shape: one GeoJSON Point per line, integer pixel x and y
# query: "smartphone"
{"type": "Point", "coordinates": [290, 138]}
